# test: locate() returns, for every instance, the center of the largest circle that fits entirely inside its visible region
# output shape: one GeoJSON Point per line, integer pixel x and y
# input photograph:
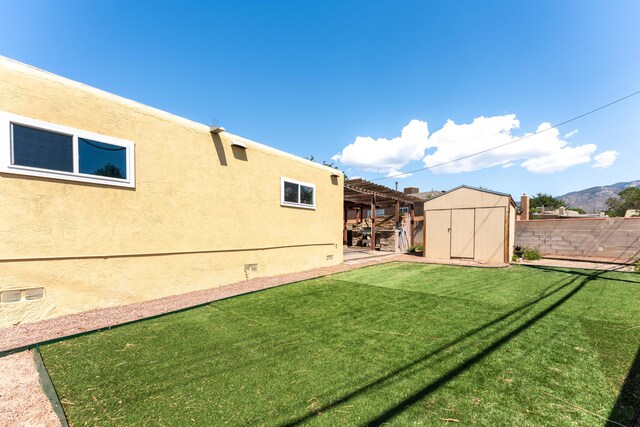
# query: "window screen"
{"type": "Point", "coordinates": [290, 192]}
{"type": "Point", "coordinates": [42, 149]}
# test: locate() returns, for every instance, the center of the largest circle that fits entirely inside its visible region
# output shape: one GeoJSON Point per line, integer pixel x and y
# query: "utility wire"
{"type": "Point", "coordinates": [511, 142]}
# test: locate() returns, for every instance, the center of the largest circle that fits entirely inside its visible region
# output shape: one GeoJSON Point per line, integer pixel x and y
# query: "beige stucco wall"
{"type": "Point", "coordinates": [200, 210]}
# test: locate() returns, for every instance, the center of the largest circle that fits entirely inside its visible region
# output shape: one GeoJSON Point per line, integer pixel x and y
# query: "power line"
{"type": "Point", "coordinates": [511, 142]}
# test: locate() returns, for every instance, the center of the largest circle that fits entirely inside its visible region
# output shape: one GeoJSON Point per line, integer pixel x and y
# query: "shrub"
{"type": "Point", "coordinates": [416, 248]}
{"type": "Point", "coordinates": [531, 254]}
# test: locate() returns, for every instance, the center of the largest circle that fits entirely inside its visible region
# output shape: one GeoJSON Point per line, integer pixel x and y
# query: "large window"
{"type": "Point", "coordinates": [298, 194]}
{"type": "Point", "coordinates": [37, 148]}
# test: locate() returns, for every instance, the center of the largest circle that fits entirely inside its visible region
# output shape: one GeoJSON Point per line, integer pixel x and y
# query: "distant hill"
{"type": "Point", "coordinates": [594, 200]}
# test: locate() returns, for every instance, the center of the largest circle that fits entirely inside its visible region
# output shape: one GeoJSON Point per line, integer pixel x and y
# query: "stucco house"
{"type": "Point", "coordinates": [106, 201]}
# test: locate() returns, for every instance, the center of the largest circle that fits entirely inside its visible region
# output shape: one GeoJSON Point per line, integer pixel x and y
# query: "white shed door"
{"type": "Point", "coordinates": [437, 233]}
{"type": "Point", "coordinates": [462, 233]}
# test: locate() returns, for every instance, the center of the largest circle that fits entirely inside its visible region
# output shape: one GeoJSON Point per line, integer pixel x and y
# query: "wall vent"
{"type": "Point", "coordinates": [17, 295]}
{"type": "Point", "coordinates": [329, 257]}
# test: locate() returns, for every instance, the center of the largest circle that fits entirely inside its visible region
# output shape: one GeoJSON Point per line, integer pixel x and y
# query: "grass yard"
{"type": "Point", "coordinates": [396, 343]}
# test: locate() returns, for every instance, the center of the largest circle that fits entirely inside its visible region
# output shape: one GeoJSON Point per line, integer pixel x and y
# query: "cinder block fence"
{"type": "Point", "coordinates": [614, 239]}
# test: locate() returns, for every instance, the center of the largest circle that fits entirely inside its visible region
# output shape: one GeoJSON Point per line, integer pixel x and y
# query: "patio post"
{"type": "Point", "coordinates": [373, 223]}
{"type": "Point", "coordinates": [397, 212]}
{"type": "Point", "coordinates": [412, 224]}
{"type": "Point", "coordinates": [344, 228]}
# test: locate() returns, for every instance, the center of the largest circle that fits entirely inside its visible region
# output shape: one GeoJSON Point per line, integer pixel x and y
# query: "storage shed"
{"type": "Point", "coordinates": [470, 223]}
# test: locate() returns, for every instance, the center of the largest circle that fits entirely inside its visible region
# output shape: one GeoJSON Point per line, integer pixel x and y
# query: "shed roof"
{"type": "Point", "coordinates": [484, 190]}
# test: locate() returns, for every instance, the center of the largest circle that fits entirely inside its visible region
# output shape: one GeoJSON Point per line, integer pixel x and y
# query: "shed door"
{"type": "Point", "coordinates": [490, 234]}
{"type": "Point", "coordinates": [462, 233]}
{"type": "Point", "coordinates": [437, 232]}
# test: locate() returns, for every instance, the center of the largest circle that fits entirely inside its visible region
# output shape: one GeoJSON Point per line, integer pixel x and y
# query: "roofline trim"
{"type": "Point", "coordinates": [497, 193]}
{"type": "Point", "coordinates": [38, 72]}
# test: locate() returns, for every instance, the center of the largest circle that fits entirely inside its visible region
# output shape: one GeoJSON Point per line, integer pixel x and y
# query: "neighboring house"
{"type": "Point", "coordinates": [106, 201]}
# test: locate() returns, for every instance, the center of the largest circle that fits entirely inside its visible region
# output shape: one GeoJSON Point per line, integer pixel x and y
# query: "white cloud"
{"type": "Point", "coordinates": [540, 152]}
{"type": "Point", "coordinates": [605, 159]}
{"type": "Point", "coordinates": [560, 160]}
{"type": "Point", "coordinates": [398, 174]}
{"type": "Point", "coordinates": [387, 155]}
{"type": "Point", "coordinates": [454, 148]}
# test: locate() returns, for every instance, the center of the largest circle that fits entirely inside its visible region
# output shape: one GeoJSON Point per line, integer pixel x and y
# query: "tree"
{"type": "Point", "coordinates": [544, 200]}
{"type": "Point", "coordinates": [629, 198]}
{"type": "Point", "coordinates": [325, 163]}
{"type": "Point", "coordinates": [110, 170]}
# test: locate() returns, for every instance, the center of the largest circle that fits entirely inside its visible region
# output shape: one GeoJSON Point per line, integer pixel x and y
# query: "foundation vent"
{"type": "Point", "coordinates": [17, 295]}
{"type": "Point", "coordinates": [329, 257]}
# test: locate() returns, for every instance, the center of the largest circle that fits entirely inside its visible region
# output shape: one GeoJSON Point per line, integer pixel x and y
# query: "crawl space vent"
{"type": "Point", "coordinates": [17, 295]}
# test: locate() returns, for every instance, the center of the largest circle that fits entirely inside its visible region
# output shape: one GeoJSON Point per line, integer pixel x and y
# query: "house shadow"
{"type": "Point", "coordinates": [627, 407]}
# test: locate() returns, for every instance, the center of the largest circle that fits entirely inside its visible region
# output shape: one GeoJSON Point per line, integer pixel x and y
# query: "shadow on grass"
{"type": "Point", "coordinates": [399, 407]}
{"type": "Point", "coordinates": [628, 402]}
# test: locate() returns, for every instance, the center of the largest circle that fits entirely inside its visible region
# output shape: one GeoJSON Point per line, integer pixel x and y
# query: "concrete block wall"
{"type": "Point", "coordinates": [614, 239]}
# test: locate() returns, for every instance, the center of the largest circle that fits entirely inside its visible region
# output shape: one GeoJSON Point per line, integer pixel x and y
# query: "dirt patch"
{"type": "Point", "coordinates": [588, 265]}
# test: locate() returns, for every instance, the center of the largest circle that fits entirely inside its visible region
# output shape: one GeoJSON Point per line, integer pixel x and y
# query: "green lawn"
{"type": "Point", "coordinates": [396, 343]}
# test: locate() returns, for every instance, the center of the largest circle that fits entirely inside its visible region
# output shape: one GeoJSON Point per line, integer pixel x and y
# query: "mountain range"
{"type": "Point", "coordinates": [594, 199]}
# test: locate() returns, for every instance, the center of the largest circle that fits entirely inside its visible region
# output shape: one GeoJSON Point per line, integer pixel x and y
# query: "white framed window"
{"type": "Point", "coordinates": [297, 193]}
{"type": "Point", "coordinates": [404, 210]}
{"type": "Point", "coordinates": [38, 148]}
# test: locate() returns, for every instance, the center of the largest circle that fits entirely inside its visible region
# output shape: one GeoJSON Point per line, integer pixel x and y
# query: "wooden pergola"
{"type": "Point", "coordinates": [360, 194]}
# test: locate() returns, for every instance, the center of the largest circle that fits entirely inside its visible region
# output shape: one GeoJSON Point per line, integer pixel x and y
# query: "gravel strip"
{"type": "Point", "coordinates": [22, 401]}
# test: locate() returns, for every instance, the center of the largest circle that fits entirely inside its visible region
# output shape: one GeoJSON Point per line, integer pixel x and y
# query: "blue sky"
{"type": "Point", "coordinates": [343, 79]}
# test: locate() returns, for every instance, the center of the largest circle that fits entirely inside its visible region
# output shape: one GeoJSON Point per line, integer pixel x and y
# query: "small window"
{"type": "Point", "coordinates": [37, 148]}
{"type": "Point", "coordinates": [379, 212]}
{"type": "Point", "coordinates": [404, 210]}
{"type": "Point", "coordinates": [297, 194]}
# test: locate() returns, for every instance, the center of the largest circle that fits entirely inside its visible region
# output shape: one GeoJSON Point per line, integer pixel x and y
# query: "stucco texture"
{"type": "Point", "coordinates": [200, 211]}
